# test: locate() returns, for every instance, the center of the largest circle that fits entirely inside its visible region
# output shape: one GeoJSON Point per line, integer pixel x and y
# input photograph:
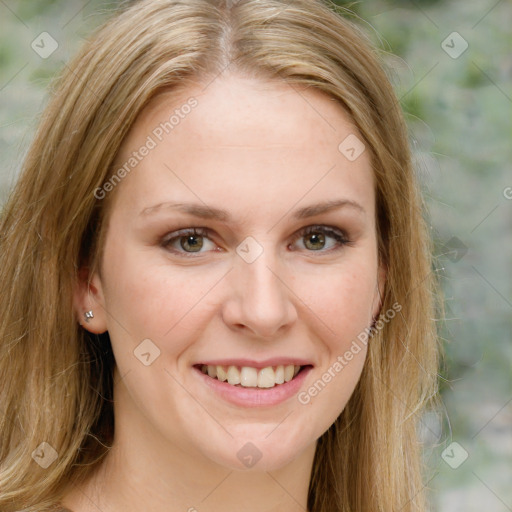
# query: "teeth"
{"type": "Point", "coordinates": [250, 377]}
{"type": "Point", "coordinates": [266, 377]}
{"type": "Point", "coordinates": [233, 375]}
{"type": "Point", "coordinates": [288, 373]}
{"type": "Point", "coordinates": [221, 374]}
{"type": "Point", "coordinates": [279, 374]}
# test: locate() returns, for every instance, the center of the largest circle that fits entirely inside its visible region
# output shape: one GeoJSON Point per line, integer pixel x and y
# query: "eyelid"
{"type": "Point", "coordinates": [191, 231]}
{"type": "Point", "coordinates": [324, 228]}
{"type": "Point", "coordinates": [338, 234]}
{"type": "Point", "coordinates": [187, 231]}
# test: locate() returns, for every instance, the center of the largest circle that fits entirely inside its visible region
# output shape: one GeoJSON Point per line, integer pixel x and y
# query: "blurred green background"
{"type": "Point", "coordinates": [451, 65]}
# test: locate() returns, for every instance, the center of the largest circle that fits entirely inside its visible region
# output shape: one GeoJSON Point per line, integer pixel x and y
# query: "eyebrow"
{"type": "Point", "coordinates": [207, 212]}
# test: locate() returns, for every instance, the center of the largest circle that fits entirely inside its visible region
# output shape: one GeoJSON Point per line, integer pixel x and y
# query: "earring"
{"type": "Point", "coordinates": [88, 315]}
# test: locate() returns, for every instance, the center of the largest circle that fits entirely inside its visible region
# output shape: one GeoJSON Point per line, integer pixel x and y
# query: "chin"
{"type": "Point", "coordinates": [257, 452]}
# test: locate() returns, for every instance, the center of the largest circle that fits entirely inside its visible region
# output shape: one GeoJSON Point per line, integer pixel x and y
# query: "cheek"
{"type": "Point", "coordinates": [340, 303]}
{"type": "Point", "coordinates": [152, 299]}
{"type": "Point", "coordinates": [148, 297]}
{"type": "Point", "coordinates": [341, 298]}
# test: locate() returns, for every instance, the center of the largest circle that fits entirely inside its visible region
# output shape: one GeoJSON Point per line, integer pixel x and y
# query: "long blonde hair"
{"type": "Point", "coordinates": [57, 377]}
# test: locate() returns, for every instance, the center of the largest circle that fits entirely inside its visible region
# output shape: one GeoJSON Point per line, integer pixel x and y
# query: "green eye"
{"type": "Point", "coordinates": [316, 238]}
{"type": "Point", "coordinates": [187, 241]}
{"type": "Point", "coordinates": [191, 243]}
{"type": "Point", "coordinates": [322, 239]}
{"type": "Point", "coordinates": [318, 241]}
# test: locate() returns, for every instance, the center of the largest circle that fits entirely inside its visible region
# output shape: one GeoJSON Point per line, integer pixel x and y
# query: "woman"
{"type": "Point", "coordinates": [217, 273]}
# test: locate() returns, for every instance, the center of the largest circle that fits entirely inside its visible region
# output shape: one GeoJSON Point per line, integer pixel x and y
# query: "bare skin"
{"type": "Point", "coordinates": [261, 151]}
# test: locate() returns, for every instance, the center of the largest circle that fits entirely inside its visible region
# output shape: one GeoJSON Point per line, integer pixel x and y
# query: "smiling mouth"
{"type": "Point", "coordinates": [248, 377]}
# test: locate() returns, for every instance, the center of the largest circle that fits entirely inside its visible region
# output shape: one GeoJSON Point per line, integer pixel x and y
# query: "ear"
{"type": "Point", "coordinates": [88, 296]}
{"type": "Point", "coordinates": [379, 290]}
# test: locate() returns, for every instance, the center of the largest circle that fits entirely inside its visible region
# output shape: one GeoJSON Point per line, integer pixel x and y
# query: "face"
{"type": "Point", "coordinates": [243, 236]}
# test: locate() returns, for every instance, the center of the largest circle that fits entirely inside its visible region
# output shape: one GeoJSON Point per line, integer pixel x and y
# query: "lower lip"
{"type": "Point", "coordinates": [255, 397]}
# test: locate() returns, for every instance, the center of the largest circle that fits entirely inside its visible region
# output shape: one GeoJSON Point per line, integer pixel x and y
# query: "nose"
{"type": "Point", "coordinates": [260, 300]}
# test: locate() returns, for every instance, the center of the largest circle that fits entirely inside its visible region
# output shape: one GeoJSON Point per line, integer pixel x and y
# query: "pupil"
{"type": "Point", "coordinates": [319, 238]}
{"type": "Point", "coordinates": [192, 242]}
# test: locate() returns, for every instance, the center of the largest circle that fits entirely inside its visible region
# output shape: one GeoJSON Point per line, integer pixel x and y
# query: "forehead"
{"type": "Point", "coordinates": [265, 141]}
{"type": "Point", "coordinates": [280, 112]}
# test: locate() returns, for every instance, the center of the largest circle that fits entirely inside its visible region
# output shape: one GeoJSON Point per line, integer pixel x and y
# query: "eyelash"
{"type": "Point", "coordinates": [329, 231]}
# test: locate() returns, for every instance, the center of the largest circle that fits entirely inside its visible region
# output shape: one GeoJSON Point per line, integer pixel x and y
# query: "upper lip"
{"type": "Point", "coordinates": [274, 361]}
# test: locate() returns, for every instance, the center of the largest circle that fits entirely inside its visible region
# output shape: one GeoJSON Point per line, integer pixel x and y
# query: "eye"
{"type": "Point", "coordinates": [190, 240]}
{"type": "Point", "coordinates": [316, 238]}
